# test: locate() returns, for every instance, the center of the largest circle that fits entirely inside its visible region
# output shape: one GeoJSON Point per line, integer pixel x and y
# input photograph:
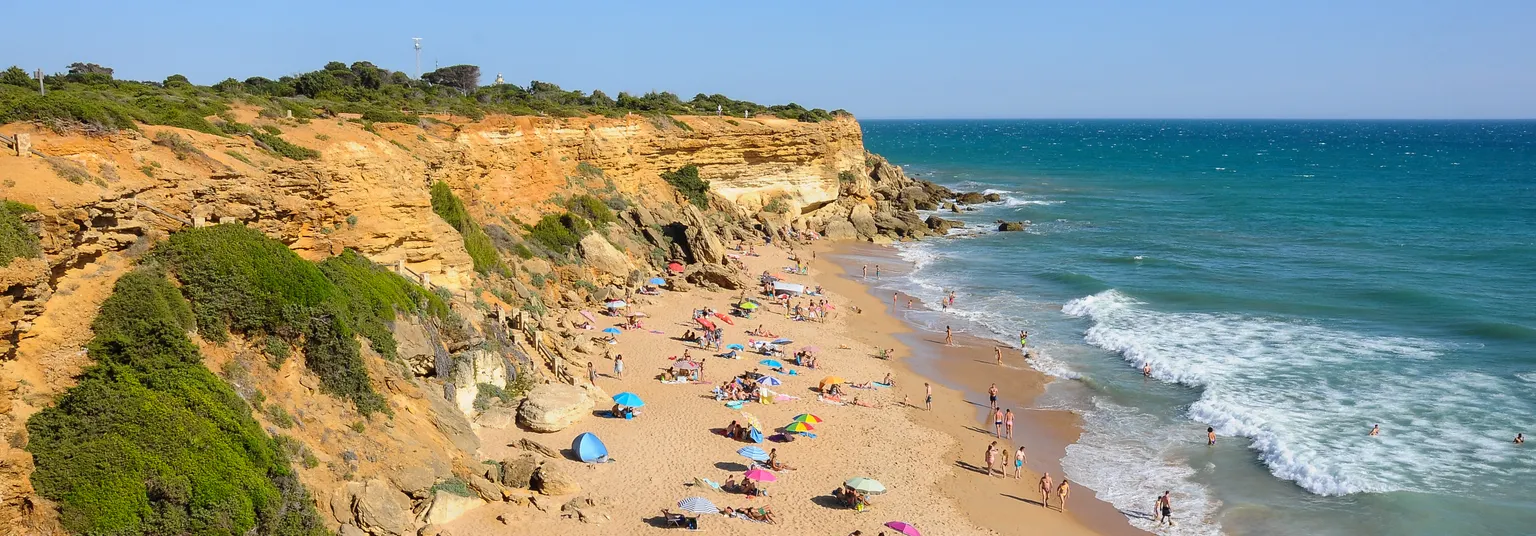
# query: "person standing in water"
{"type": "Point", "coordinates": [1146, 370]}
{"type": "Point", "coordinates": [909, 303]}
{"type": "Point", "coordinates": [1165, 507]}
{"type": "Point", "coordinates": [1045, 490]}
{"type": "Point", "coordinates": [1023, 339]}
{"type": "Point", "coordinates": [1008, 424]}
{"type": "Point", "coordinates": [1062, 492]}
{"type": "Point", "coordinates": [1210, 436]}
{"type": "Point", "coordinates": [1375, 430]}
{"type": "Point", "coordinates": [949, 336]}
{"type": "Point", "coordinates": [1519, 439]}
{"type": "Point", "coordinates": [877, 271]}
{"type": "Point", "coordinates": [866, 271]}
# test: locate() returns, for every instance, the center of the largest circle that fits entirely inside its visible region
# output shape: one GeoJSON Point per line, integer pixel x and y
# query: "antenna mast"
{"type": "Point", "coordinates": [417, 41]}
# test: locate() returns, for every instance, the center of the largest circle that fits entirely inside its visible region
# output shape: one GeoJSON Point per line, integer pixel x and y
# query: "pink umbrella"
{"type": "Point", "coordinates": [811, 350]}
{"type": "Point", "coordinates": [761, 475]}
{"type": "Point", "coordinates": [588, 315]}
{"type": "Point", "coordinates": [904, 528]}
{"type": "Point", "coordinates": [676, 267]}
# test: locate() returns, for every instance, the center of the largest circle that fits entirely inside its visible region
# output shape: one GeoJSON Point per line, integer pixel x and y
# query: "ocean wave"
{"type": "Point", "coordinates": [1011, 201]}
{"type": "Point", "coordinates": [1306, 394]}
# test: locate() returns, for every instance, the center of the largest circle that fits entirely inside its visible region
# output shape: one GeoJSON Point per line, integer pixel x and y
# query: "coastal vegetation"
{"type": "Point", "coordinates": [686, 180]}
{"type": "Point", "coordinates": [240, 281]}
{"type": "Point", "coordinates": [16, 240]}
{"type": "Point", "coordinates": [88, 96]}
{"type": "Point", "coordinates": [481, 250]}
{"type": "Point", "coordinates": [151, 442]}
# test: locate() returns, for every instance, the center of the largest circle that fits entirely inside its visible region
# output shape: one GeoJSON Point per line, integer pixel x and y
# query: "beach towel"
{"type": "Point", "coordinates": [882, 385]}
{"type": "Point", "coordinates": [736, 404]}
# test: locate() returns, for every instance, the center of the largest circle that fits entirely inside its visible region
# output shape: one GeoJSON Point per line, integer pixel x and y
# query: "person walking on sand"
{"type": "Point", "coordinates": [1062, 492]}
{"type": "Point", "coordinates": [1008, 424]}
{"type": "Point", "coordinates": [1210, 436]}
{"type": "Point", "coordinates": [991, 457]}
{"type": "Point", "coordinates": [949, 336]}
{"type": "Point", "coordinates": [999, 351]}
{"type": "Point", "coordinates": [992, 394]}
{"type": "Point", "coordinates": [997, 420]}
{"type": "Point", "coordinates": [1045, 490]}
{"type": "Point", "coordinates": [1018, 463]}
{"type": "Point", "coordinates": [1375, 430]}
{"type": "Point", "coordinates": [929, 402]}
{"type": "Point", "coordinates": [618, 366]}
{"type": "Point", "coordinates": [591, 373]}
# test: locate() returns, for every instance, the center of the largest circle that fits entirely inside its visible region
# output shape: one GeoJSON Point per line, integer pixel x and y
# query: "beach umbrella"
{"type": "Point", "coordinates": [761, 475]}
{"type": "Point", "coordinates": [658, 281]}
{"type": "Point", "coordinates": [782, 341]}
{"type": "Point", "coordinates": [752, 420]}
{"type": "Point", "coordinates": [754, 453]}
{"type": "Point", "coordinates": [675, 267]}
{"type": "Point", "coordinates": [588, 315]}
{"type": "Point", "coordinates": [638, 314]}
{"type": "Point", "coordinates": [748, 305]}
{"type": "Point", "coordinates": [685, 365]}
{"type": "Point", "coordinates": [771, 363]}
{"type": "Point", "coordinates": [629, 400]}
{"type": "Point", "coordinates": [810, 350]}
{"type": "Point", "coordinates": [614, 331]}
{"type": "Point", "coordinates": [866, 485]}
{"type": "Point", "coordinates": [725, 318]}
{"type": "Point", "coordinates": [588, 448]}
{"type": "Point", "coordinates": [830, 381]}
{"type": "Point", "coordinates": [754, 435]}
{"type": "Point", "coordinates": [735, 347]}
{"type": "Point", "coordinates": [808, 418]}
{"type": "Point", "coordinates": [798, 427]}
{"type": "Point", "coordinates": [617, 304]}
{"type": "Point", "coordinates": [705, 322]}
{"type": "Point", "coordinates": [770, 381]}
{"type": "Point", "coordinates": [697, 505]}
{"type": "Point", "coordinates": [904, 528]}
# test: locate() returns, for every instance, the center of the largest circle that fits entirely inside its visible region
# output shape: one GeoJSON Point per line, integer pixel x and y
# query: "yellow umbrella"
{"type": "Point", "coordinates": [830, 381]}
{"type": "Point", "coordinates": [752, 421]}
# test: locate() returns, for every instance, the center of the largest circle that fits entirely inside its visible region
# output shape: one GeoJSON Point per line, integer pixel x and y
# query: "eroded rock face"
{"type": "Point", "coordinates": [715, 275]}
{"type": "Point", "coordinates": [518, 472]}
{"type": "Point", "coordinates": [550, 480]}
{"type": "Point", "coordinates": [447, 507]}
{"type": "Point", "coordinates": [863, 220]}
{"type": "Point", "coordinates": [552, 407]}
{"type": "Point", "coordinates": [840, 230]}
{"type": "Point", "coordinates": [599, 254]}
{"type": "Point", "coordinates": [382, 510]}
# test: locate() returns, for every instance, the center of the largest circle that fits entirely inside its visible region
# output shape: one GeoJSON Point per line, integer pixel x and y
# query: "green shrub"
{"type": "Point", "coordinates": [278, 416]}
{"type": "Point", "coordinates": [239, 280]}
{"type": "Point", "coordinates": [16, 238]}
{"type": "Point", "coordinates": [372, 296]}
{"type": "Point", "coordinates": [380, 115]}
{"type": "Point", "coordinates": [453, 485]}
{"type": "Point", "coordinates": [591, 208]}
{"type": "Point", "coordinates": [237, 155]}
{"type": "Point", "coordinates": [587, 169]}
{"type": "Point", "coordinates": [181, 147]}
{"type": "Point", "coordinates": [778, 205]}
{"type": "Point", "coordinates": [560, 232]}
{"type": "Point", "coordinates": [272, 129]}
{"type": "Point", "coordinates": [686, 180]}
{"type": "Point", "coordinates": [523, 251]}
{"type": "Point", "coordinates": [847, 177]}
{"type": "Point", "coordinates": [487, 394]}
{"type": "Point", "coordinates": [150, 442]}
{"type": "Point", "coordinates": [481, 250]}
{"type": "Point", "coordinates": [283, 148]}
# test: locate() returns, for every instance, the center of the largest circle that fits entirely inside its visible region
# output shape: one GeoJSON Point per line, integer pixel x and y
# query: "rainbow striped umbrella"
{"type": "Point", "coordinates": [808, 418]}
{"type": "Point", "coordinates": [798, 427]}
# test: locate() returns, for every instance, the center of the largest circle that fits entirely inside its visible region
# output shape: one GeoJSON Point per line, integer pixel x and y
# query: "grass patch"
{"type": "Point", "coordinates": [68, 169]}
{"type": "Point", "coordinates": [237, 155]}
{"type": "Point", "coordinates": [16, 238]}
{"type": "Point", "coordinates": [481, 250]}
{"type": "Point", "coordinates": [686, 180]}
{"type": "Point", "coordinates": [454, 485]}
{"type": "Point", "coordinates": [151, 442]}
{"type": "Point", "coordinates": [282, 148]}
{"type": "Point", "coordinates": [487, 394]}
{"type": "Point", "coordinates": [591, 208]}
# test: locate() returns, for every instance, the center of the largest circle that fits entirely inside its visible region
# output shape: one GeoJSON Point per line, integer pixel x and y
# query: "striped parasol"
{"type": "Point", "coordinates": [698, 505]}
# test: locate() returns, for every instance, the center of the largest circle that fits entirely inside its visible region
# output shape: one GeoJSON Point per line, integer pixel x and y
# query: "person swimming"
{"type": "Point", "coordinates": [1375, 430]}
{"type": "Point", "coordinates": [1519, 439]}
{"type": "Point", "coordinates": [1210, 436]}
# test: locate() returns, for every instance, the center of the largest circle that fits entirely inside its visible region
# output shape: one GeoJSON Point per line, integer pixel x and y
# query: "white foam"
{"type": "Point", "coordinates": [1528, 377]}
{"type": "Point", "coordinates": [1306, 395]}
{"type": "Point", "coordinates": [1011, 201]}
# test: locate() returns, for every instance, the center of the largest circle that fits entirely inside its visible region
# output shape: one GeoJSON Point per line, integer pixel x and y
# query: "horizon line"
{"type": "Point", "coordinates": [1067, 118]}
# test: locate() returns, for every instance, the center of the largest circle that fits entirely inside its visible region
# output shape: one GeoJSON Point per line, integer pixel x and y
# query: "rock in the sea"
{"type": "Point", "coordinates": [941, 226]}
{"type": "Point", "coordinates": [840, 230]}
{"type": "Point", "coordinates": [1011, 226]}
{"type": "Point", "coordinates": [971, 198]}
{"type": "Point", "coordinates": [549, 480]}
{"type": "Point", "coordinates": [518, 472]}
{"type": "Point", "coordinates": [992, 198]}
{"type": "Point", "coordinates": [447, 507]}
{"type": "Point", "coordinates": [553, 406]}
{"type": "Point", "coordinates": [382, 510]}
{"type": "Point", "coordinates": [951, 206]}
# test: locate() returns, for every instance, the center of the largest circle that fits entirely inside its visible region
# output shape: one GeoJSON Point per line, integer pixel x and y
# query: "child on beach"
{"type": "Point", "coordinates": [949, 337]}
{"type": "Point", "coordinates": [618, 366]}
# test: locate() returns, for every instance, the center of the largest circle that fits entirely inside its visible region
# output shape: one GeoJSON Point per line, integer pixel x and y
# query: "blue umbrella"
{"type": "Point", "coordinates": [588, 448]}
{"type": "Point", "coordinates": [614, 331]}
{"type": "Point", "coordinates": [770, 381]}
{"type": "Point", "coordinates": [782, 341]}
{"type": "Point", "coordinates": [754, 453]}
{"type": "Point", "coordinates": [771, 363]}
{"type": "Point", "coordinates": [735, 347]}
{"type": "Point", "coordinates": [629, 400]}
{"type": "Point", "coordinates": [658, 281]}
{"type": "Point", "coordinates": [756, 436]}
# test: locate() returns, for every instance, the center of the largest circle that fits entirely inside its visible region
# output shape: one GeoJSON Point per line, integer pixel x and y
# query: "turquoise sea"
{"type": "Point", "coordinates": [1291, 284]}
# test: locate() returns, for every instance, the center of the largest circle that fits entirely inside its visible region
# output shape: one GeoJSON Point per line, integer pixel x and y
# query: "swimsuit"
{"type": "Point", "coordinates": [1018, 463]}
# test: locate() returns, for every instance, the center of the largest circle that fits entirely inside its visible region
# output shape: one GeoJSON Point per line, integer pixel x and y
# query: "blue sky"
{"type": "Point", "coordinates": [893, 59]}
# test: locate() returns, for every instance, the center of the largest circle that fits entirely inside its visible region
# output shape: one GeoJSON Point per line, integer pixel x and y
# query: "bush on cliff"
{"type": "Point", "coordinates": [284, 149]}
{"type": "Point", "coordinates": [560, 232]}
{"type": "Point", "coordinates": [16, 239]}
{"type": "Point", "coordinates": [238, 280]}
{"type": "Point", "coordinates": [481, 250]}
{"type": "Point", "coordinates": [373, 294]}
{"type": "Point", "coordinates": [686, 180]}
{"type": "Point", "coordinates": [591, 208]}
{"type": "Point", "coordinates": [150, 442]}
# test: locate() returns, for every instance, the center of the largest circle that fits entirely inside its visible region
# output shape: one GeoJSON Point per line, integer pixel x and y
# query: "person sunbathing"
{"type": "Point", "coordinates": [856, 402]}
{"type": "Point", "coordinates": [763, 514]}
{"type": "Point", "coordinates": [749, 487]}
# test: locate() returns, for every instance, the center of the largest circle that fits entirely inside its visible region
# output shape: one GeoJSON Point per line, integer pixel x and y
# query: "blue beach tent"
{"type": "Point", "coordinates": [589, 448]}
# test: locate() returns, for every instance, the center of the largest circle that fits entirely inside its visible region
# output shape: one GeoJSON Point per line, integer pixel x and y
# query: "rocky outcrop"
{"type": "Point", "coordinates": [1012, 225]}
{"type": "Point", "coordinates": [609, 262]}
{"type": "Point", "coordinates": [550, 480]}
{"type": "Point", "coordinates": [941, 226]}
{"type": "Point", "coordinates": [518, 472]}
{"type": "Point", "coordinates": [553, 406]}
{"type": "Point", "coordinates": [971, 198]}
{"type": "Point", "coordinates": [447, 507]}
{"type": "Point", "coordinates": [380, 509]}
{"type": "Point", "coordinates": [715, 276]}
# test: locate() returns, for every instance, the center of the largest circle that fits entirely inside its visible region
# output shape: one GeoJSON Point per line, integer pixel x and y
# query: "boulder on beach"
{"type": "Point", "coordinates": [553, 406]}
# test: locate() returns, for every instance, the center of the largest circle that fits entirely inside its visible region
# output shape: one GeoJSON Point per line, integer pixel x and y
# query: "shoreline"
{"type": "Point", "coordinates": [964, 372]}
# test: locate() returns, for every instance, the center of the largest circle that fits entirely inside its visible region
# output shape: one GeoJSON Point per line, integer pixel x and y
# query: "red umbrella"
{"type": "Point", "coordinates": [676, 267]}
{"type": "Point", "coordinates": [727, 319]}
{"type": "Point", "coordinates": [706, 323]}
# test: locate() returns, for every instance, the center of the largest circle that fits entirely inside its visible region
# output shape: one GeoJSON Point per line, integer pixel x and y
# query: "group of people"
{"type": "Point", "coordinates": [851, 498]}
{"type": "Point", "coordinates": [997, 457]}
{"type": "Point", "coordinates": [805, 359]}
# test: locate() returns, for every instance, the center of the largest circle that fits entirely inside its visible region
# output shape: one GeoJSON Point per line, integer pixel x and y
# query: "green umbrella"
{"type": "Point", "coordinates": [866, 485]}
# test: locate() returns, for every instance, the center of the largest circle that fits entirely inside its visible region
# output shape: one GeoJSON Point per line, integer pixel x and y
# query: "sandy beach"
{"type": "Point", "coordinates": [927, 459]}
